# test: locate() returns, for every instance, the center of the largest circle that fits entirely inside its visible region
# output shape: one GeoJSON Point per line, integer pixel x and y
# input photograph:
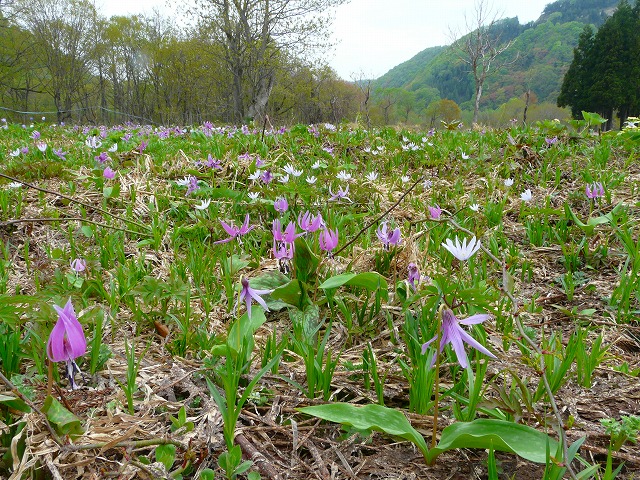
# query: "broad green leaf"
{"type": "Point", "coordinates": [166, 454]}
{"type": "Point", "coordinates": [369, 280]}
{"type": "Point", "coordinates": [593, 118]}
{"type": "Point", "coordinates": [87, 231]}
{"type": "Point", "coordinates": [65, 422]}
{"type": "Point", "coordinates": [369, 417]}
{"type": "Point", "coordinates": [14, 403]}
{"type": "Point", "coordinates": [305, 262]}
{"type": "Point", "coordinates": [294, 293]}
{"type": "Point", "coordinates": [504, 436]}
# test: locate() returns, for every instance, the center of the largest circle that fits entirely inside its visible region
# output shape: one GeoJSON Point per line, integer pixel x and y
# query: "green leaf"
{"type": "Point", "coordinates": [369, 417]}
{"type": "Point", "coordinates": [207, 474]}
{"type": "Point", "coordinates": [87, 231]}
{"type": "Point", "coordinates": [294, 293]}
{"type": "Point", "coordinates": [369, 280]}
{"type": "Point", "coordinates": [14, 403]}
{"type": "Point", "coordinates": [593, 118]}
{"type": "Point", "coordinates": [504, 436]}
{"type": "Point", "coordinates": [65, 422]}
{"type": "Point", "coordinates": [305, 262]}
{"type": "Point", "coordinates": [166, 454]}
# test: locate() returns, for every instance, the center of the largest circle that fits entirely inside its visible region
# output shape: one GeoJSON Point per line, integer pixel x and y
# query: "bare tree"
{"type": "Point", "coordinates": [255, 34]}
{"type": "Point", "coordinates": [481, 47]}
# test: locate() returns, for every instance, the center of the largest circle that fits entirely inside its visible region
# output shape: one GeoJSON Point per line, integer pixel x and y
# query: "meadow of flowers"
{"type": "Point", "coordinates": [319, 301]}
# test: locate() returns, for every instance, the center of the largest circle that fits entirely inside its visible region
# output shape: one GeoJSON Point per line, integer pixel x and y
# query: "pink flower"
{"type": "Point", "coordinates": [435, 212]}
{"type": "Point", "coordinates": [594, 190]}
{"type": "Point", "coordinates": [328, 239]}
{"type": "Point", "coordinates": [308, 223]}
{"type": "Point", "coordinates": [280, 205]}
{"type": "Point", "coordinates": [67, 341]}
{"type": "Point", "coordinates": [108, 173]}
{"type": "Point", "coordinates": [235, 232]}
{"type": "Point", "coordinates": [78, 265]}
{"type": "Point", "coordinates": [388, 237]}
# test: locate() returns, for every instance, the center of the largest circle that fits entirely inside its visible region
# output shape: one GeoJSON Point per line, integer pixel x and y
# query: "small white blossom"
{"type": "Point", "coordinates": [113, 148]}
{"type": "Point", "coordinates": [290, 170]}
{"type": "Point", "coordinates": [462, 251]}
{"type": "Point", "coordinates": [204, 204]}
{"type": "Point", "coordinates": [15, 153]}
{"type": "Point", "coordinates": [316, 165]}
{"type": "Point", "coordinates": [183, 182]}
{"type": "Point", "coordinates": [372, 176]}
{"type": "Point", "coordinates": [93, 142]}
{"type": "Point", "coordinates": [14, 185]}
{"type": "Point", "coordinates": [475, 207]}
{"type": "Point", "coordinates": [255, 175]}
{"type": "Point", "coordinates": [311, 180]}
{"type": "Point", "coordinates": [284, 178]}
{"type": "Point", "coordinates": [464, 156]}
{"type": "Point", "coordinates": [526, 196]}
{"type": "Point", "coordinates": [405, 178]}
{"type": "Point", "coordinates": [508, 182]}
{"type": "Point", "coordinates": [344, 176]}
{"type": "Point", "coordinates": [254, 195]}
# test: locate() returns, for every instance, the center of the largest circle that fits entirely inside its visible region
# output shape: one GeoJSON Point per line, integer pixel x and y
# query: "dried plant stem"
{"type": "Point", "coordinates": [379, 217]}
{"type": "Point", "coordinates": [73, 200]}
{"type": "Point", "coordinates": [71, 219]}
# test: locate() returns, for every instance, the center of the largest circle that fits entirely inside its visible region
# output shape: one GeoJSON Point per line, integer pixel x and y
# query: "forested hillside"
{"type": "Point", "coordinates": [536, 62]}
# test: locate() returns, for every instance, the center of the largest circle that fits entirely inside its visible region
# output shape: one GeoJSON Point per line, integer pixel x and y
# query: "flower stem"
{"type": "Point", "coordinates": [437, 380]}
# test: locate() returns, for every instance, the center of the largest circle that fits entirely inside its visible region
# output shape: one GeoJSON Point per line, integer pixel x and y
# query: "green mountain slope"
{"type": "Point", "coordinates": [537, 60]}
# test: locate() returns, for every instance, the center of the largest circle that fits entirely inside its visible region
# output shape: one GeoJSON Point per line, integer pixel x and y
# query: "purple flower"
{"type": "Point", "coordinates": [288, 236]}
{"type": "Point", "coordinates": [213, 163]}
{"type": "Point", "coordinates": [551, 141]}
{"type": "Point", "coordinates": [24, 150]}
{"type": "Point", "coordinates": [259, 162]}
{"type": "Point", "coordinates": [282, 250]}
{"type": "Point", "coordinates": [235, 232]}
{"type": "Point", "coordinates": [435, 212]}
{"type": "Point", "coordinates": [142, 146]}
{"type": "Point", "coordinates": [248, 294]}
{"type": "Point", "coordinates": [60, 154]}
{"type": "Point", "coordinates": [108, 173]}
{"type": "Point", "coordinates": [281, 205]}
{"type": "Point", "coordinates": [35, 135]}
{"type": "Point", "coordinates": [340, 194]}
{"type": "Point", "coordinates": [328, 239]}
{"type": "Point", "coordinates": [388, 237]}
{"type": "Point", "coordinates": [193, 185]}
{"type": "Point", "coordinates": [309, 224]}
{"type": "Point", "coordinates": [102, 158]}
{"type": "Point", "coordinates": [454, 334]}
{"type": "Point", "coordinates": [594, 190]}
{"type": "Point", "coordinates": [78, 265]}
{"type": "Point", "coordinates": [67, 341]}
{"type": "Point", "coordinates": [266, 177]}
{"type": "Point", "coordinates": [414, 276]}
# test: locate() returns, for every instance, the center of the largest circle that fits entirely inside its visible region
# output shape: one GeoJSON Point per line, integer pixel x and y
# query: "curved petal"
{"type": "Point", "coordinates": [55, 344]}
{"type": "Point", "coordinates": [475, 319]}
{"type": "Point", "coordinates": [458, 345]}
{"type": "Point", "coordinates": [475, 344]}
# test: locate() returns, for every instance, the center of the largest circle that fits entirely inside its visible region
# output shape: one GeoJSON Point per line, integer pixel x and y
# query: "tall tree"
{"type": "Point", "coordinates": [481, 47]}
{"type": "Point", "coordinates": [255, 33]}
{"type": "Point", "coordinates": [576, 84]}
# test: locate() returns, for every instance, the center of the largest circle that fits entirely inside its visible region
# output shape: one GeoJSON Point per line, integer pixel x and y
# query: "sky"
{"type": "Point", "coordinates": [373, 36]}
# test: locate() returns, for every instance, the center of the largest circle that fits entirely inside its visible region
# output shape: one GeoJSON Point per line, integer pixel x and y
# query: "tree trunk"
{"type": "Point", "coordinates": [476, 106]}
{"type": "Point", "coordinates": [258, 105]}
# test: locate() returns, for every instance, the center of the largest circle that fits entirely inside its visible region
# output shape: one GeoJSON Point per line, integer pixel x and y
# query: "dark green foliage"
{"type": "Point", "coordinates": [603, 76]}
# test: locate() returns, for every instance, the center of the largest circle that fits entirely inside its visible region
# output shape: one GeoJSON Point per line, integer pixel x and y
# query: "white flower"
{"type": "Point", "coordinates": [372, 176]}
{"type": "Point", "coordinates": [113, 148]}
{"type": "Point", "coordinates": [464, 156]}
{"type": "Point", "coordinates": [405, 178]}
{"type": "Point", "coordinates": [462, 251]}
{"type": "Point", "coordinates": [290, 170]}
{"type": "Point", "coordinates": [311, 180]}
{"type": "Point", "coordinates": [42, 146]}
{"type": "Point", "coordinates": [284, 178]}
{"type": "Point", "coordinates": [183, 182]}
{"type": "Point", "coordinates": [14, 185]}
{"type": "Point", "coordinates": [344, 176]}
{"type": "Point", "coordinates": [330, 127]}
{"type": "Point", "coordinates": [15, 153]}
{"type": "Point", "coordinates": [508, 182]}
{"type": "Point", "coordinates": [254, 195]}
{"type": "Point", "coordinates": [367, 149]}
{"type": "Point", "coordinates": [204, 204]}
{"type": "Point", "coordinates": [475, 207]}
{"type": "Point", "coordinates": [526, 196]}
{"type": "Point", "coordinates": [381, 148]}
{"type": "Point", "coordinates": [255, 175]}
{"type": "Point", "coordinates": [316, 165]}
{"type": "Point", "coordinates": [93, 142]}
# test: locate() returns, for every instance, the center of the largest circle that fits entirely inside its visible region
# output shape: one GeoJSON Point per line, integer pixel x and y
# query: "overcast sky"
{"type": "Point", "coordinates": [373, 36]}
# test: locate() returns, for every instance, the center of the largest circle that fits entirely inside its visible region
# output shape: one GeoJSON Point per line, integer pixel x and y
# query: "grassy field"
{"type": "Point", "coordinates": [268, 303]}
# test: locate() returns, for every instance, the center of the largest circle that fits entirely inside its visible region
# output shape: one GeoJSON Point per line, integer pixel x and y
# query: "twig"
{"type": "Point", "coordinates": [19, 394]}
{"type": "Point", "coordinates": [73, 200]}
{"type": "Point", "coordinates": [258, 459]}
{"type": "Point", "coordinates": [377, 219]}
{"type": "Point", "coordinates": [127, 443]}
{"type": "Point", "coordinates": [63, 219]}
